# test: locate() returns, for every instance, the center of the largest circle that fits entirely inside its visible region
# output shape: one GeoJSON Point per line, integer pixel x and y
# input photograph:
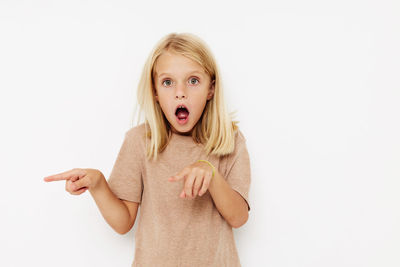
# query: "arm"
{"type": "Point", "coordinates": [119, 214]}
{"type": "Point", "coordinates": [229, 203]}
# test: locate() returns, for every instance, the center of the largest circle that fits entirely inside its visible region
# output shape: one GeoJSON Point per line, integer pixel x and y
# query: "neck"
{"type": "Point", "coordinates": [183, 134]}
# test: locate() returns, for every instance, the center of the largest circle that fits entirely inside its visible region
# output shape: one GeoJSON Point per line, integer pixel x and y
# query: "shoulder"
{"type": "Point", "coordinates": [238, 153]}
{"type": "Point", "coordinates": [136, 131]}
{"type": "Point", "coordinates": [240, 140]}
{"type": "Point", "coordinates": [136, 135]}
{"type": "Point", "coordinates": [239, 136]}
{"type": "Point", "coordinates": [239, 144]}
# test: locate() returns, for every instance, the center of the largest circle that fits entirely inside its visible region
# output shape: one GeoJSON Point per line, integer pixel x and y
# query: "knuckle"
{"type": "Point", "coordinates": [197, 187]}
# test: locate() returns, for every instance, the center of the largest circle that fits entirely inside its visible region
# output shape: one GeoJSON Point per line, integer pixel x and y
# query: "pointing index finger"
{"type": "Point", "coordinates": [178, 176]}
{"type": "Point", "coordinates": [56, 177]}
{"type": "Point", "coordinates": [62, 176]}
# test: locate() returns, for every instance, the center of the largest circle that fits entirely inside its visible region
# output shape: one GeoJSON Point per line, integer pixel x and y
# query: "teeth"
{"type": "Point", "coordinates": [180, 106]}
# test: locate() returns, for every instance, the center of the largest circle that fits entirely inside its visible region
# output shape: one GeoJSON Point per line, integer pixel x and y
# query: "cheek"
{"type": "Point", "coordinates": [164, 104]}
{"type": "Point", "coordinates": [199, 108]}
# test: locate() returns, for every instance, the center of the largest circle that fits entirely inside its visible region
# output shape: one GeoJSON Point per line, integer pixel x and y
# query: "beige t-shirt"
{"type": "Point", "coordinates": [173, 231]}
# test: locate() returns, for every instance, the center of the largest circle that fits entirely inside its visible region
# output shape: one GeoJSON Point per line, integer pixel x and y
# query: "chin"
{"type": "Point", "coordinates": [189, 132]}
{"type": "Point", "coordinates": [180, 131]}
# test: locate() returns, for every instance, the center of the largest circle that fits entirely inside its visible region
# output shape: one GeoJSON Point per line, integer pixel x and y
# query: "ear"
{"type": "Point", "coordinates": [155, 94]}
{"type": "Point", "coordinates": [211, 90]}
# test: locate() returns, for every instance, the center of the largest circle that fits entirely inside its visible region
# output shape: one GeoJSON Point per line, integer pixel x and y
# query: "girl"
{"type": "Point", "coordinates": [187, 166]}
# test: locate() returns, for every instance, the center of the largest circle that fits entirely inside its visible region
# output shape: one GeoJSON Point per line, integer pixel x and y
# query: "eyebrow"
{"type": "Point", "coordinates": [192, 72]}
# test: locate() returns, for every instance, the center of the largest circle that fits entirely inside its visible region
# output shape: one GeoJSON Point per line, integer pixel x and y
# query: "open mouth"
{"type": "Point", "coordinates": [181, 112]}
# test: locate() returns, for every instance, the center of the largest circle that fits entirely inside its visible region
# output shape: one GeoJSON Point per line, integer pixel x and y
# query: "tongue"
{"type": "Point", "coordinates": [182, 114]}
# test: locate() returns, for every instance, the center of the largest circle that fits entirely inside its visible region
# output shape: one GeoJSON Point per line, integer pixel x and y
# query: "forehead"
{"type": "Point", "coordinates": [172, 63]}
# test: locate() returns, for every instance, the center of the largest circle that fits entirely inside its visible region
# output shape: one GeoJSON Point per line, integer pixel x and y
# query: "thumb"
{"type": "Point", "coordinates": [79, 183]}
{"type": "Point", "coordinates": [74, 178]}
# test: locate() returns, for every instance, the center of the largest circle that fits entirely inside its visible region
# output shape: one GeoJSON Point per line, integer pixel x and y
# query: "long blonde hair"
{"type": "Point", "coordinates": [215, 128]}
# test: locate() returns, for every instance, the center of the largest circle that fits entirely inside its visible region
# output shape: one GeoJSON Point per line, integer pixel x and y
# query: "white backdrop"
{"type": "Point", "coordinates": [316, 88]}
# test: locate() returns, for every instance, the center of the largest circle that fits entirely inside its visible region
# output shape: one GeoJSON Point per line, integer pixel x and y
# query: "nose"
{"type": "Point", "coordinates": [180, 92]}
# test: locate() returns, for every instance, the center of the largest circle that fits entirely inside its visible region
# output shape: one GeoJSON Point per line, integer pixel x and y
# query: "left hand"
{"type": "Point", "coordinates": [197, 178]}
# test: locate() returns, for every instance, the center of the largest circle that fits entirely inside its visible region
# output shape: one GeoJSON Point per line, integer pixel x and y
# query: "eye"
{"type": "Point", "coordinates": [194, 79]}
{"type": "Point", "coordinates": [167, 80]}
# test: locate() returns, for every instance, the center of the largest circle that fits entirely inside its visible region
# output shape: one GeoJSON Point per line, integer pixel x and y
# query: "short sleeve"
{"type": "Point", "coordinates": [239, 173]}
{"type": "Point", "coordinates": [125, 180]}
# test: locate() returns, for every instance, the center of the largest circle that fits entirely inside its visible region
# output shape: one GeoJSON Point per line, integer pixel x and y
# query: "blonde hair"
{"type": "Point", "coordinates": [215, 128]}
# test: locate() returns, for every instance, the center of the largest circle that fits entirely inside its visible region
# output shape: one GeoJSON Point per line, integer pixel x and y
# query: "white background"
{"type": "Point", "coordinates": [316, 86]}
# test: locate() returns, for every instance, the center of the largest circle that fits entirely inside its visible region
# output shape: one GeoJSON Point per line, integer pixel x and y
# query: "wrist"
{"type": "Point", "coordinates": [210, 164]}
{"type": "Point", "coordinates": [98, 182]}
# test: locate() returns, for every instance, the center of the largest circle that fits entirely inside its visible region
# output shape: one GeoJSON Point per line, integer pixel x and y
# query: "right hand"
{"type": "Point", "coordinates": [77, 180]}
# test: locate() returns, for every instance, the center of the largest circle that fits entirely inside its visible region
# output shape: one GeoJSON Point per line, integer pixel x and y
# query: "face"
{"type": "Point", "coordinates": [181, 81]}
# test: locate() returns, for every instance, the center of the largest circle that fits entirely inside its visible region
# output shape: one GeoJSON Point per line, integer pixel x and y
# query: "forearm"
{"type": "Point", "coordinates": [229, 203]}
{"type": "Point", "coordinates": [112, 208]}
